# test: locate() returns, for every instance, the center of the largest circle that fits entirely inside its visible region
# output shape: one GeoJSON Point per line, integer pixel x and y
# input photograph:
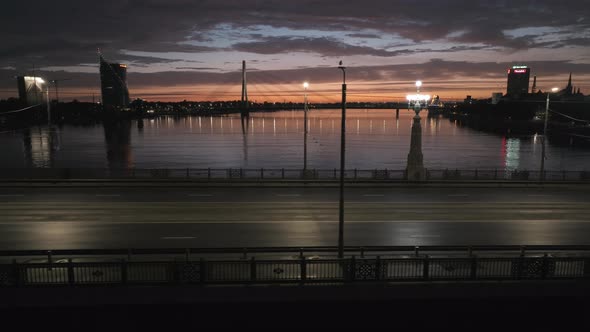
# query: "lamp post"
{"type": "Point", "coordinates": [48, 106]}
{"type": "Point", "coordinates": [305, 87]}
{"type": "Point", "coordinates": [542, 172]}
{"type": "Point", "coordinates": [342, 151]}
{"type": "Point", "coordinates": [415, 166]}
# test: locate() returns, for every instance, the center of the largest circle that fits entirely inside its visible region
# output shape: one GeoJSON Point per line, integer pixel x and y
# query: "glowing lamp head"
{"type": "Point", "coordinates": [418, 84]}
{"type": "Point", "coordinates": [418, 97]}
{"type": "Point", "coordinates": [554, 90]}
{"type": "Point", "coordinates": [305, 85]}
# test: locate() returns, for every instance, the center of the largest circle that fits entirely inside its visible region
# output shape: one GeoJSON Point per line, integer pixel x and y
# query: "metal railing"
{"type": "Point", "coordinates": [371, 264]}
{"type": "Point", "coordinates": [284, 174]}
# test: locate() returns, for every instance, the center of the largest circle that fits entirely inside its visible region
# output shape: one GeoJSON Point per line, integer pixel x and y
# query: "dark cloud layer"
{"type": "Point", "coordinates": [67, 32]}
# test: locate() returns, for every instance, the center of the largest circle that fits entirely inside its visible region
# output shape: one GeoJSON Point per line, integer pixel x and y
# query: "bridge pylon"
{"type": "Point", "coordinates": [245, 105]}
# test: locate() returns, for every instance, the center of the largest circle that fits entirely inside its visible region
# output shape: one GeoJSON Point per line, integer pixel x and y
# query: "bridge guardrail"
{"type": "Point", "coordinates": [387, 264]}
{"type": "Point", "coordinates": [284, 174]}
{"type": "Point", "coordinates": [301, 271]}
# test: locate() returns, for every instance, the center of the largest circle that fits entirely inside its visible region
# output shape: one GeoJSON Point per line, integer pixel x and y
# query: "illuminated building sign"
{"type": "Point", "coordinates": [520, 67]}
{"type": "Point", "coordinates": [520, 71]}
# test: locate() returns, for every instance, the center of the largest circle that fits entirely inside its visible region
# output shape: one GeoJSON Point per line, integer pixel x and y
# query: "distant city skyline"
{"type": "Point", "coordinates": [178, 49]}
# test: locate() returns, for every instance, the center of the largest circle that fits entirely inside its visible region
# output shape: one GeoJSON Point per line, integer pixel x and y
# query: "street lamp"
{"type": "Point", "coordinates": [342, 151]}
{"type": "Point", "coordinates": [305, 108]}
{"type": "Point", "coordinates": [415, 165]}
{"type": "Point", "coordinates": [542, 172]}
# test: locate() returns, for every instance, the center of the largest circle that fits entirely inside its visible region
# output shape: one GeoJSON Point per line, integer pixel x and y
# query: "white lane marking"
{"type": "Point", "coordinates": [373, 195]}
{"type": "Point", "coordinates": [14, 195]}
{"type": "Point", "coordinates": [177, 237]}
{"type": "Point", "coordinates": [288, 195]}
{"type": "Point", "coordinates": [108, 195]}
{"type": "Point", "coordinates": [423, 236]}
{"type": "Point", "coordinates": [534, 211]}
{"type": "Point", "coordinates": [458, 195]}
{"type": "Point", "coordinates": [200, 195]}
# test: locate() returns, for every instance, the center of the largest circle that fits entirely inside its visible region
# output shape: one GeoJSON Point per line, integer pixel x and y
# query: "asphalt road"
{"type": "Point", "coordinates": [79, 218]}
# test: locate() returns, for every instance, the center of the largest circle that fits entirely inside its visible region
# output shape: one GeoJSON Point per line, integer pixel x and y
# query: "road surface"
{"type": "Point", "coordinates": [84, 218]}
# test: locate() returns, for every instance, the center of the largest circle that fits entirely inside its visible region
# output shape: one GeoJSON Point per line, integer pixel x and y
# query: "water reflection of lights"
{"type": "Point", "coordinates": [512, 153]}
{"type": "Point", "coordinates": [432, 126]}
{"type": "Point", "coordinates": [40, 145]}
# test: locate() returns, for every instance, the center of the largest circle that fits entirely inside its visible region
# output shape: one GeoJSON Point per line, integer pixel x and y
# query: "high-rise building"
{"type": "Point", "coordinates": [518, 80]}
{"type": "Point", "coordinates": [113, 80]}
{"type": "Point", "coordinates": [31, 90]}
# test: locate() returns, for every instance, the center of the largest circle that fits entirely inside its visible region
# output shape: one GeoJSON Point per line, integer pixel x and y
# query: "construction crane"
{"type": "Point", "coordinates": [56, 82]}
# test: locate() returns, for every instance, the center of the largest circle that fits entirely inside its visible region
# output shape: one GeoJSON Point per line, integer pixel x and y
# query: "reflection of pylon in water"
{"type": "Point", "coordinates": [245, 112]}
{"type": "Point", "coordinates": [245, 128]}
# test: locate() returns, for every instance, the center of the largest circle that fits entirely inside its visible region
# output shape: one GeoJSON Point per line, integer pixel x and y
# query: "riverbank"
{"type": "Point", "coordinates": [569, 123]}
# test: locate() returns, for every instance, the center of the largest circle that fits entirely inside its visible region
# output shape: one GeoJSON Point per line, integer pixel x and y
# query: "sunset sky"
{"type": "Point", "coordinates": [187, 49]}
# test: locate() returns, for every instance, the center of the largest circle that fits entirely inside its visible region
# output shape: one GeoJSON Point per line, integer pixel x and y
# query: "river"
{"type": "Point", "coordinates": [375, 139]}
